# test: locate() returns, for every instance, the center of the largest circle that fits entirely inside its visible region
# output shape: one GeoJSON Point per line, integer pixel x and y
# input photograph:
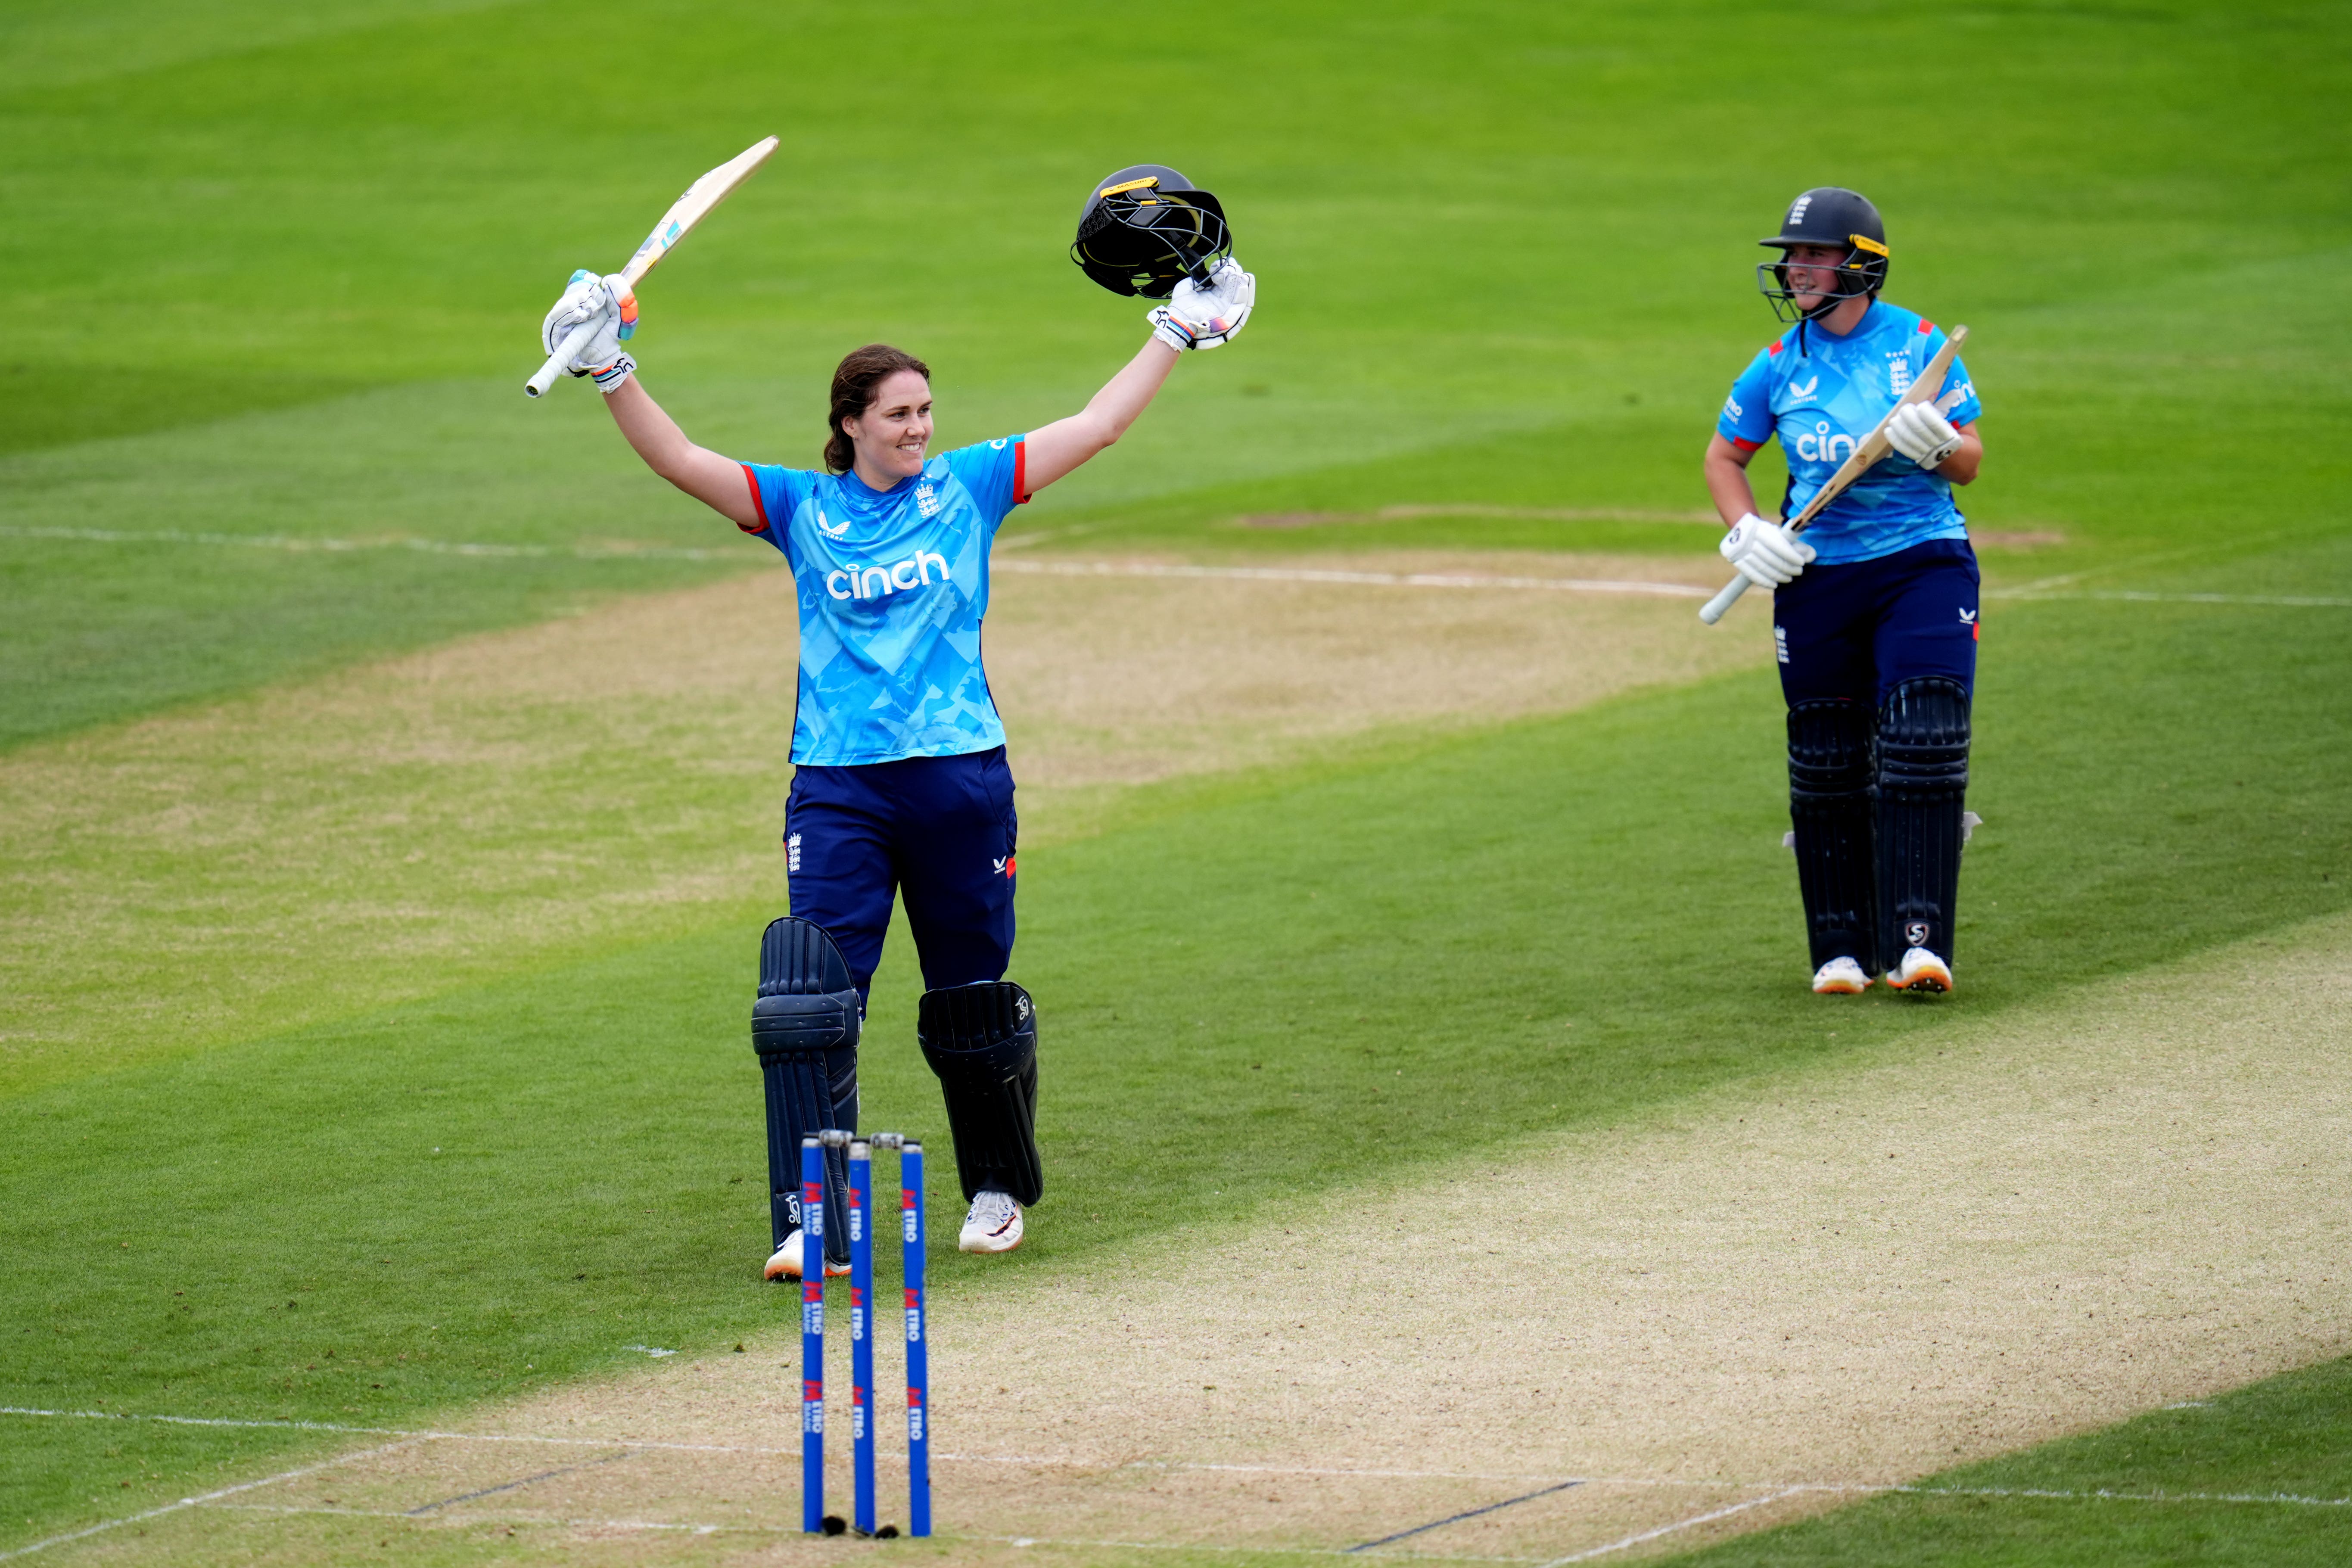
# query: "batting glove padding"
{"type": "Point", "coordinates": [1766, 554]}
{"type": "Point", "coordinates": [1922, 435]}
{"type": "Point", "coordinates": [608, 302]}
{"type": "Point", "coordinates": [1198, 318]}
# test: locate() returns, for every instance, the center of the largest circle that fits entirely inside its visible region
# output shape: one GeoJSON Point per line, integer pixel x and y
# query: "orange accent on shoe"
{"type": "Point", "coordinates": [1937, 979]}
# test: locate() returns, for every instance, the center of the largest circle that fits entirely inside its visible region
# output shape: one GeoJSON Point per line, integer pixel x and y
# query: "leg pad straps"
{"type": "Point", "coordinates": [804, 1026]}
{"type": "Point", "coordinates": [1923, 780]}
{"type": "Point", "coordinates": [1829, 808]}
{"type": "Point", "coordinates": [982, 1042]}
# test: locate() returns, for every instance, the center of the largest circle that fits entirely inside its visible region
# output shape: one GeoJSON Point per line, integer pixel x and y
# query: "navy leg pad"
{"type": "Point", "coordinates": [1830, 809]}
{"type": "Point", "coordinates": [982, 1041]}
{"type": "Point", "coordinates": [1922, 781]}
{"type": "Point", "coordinates": [804, 1026]}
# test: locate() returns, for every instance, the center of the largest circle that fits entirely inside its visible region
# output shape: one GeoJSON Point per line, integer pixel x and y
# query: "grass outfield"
{"type": "Point", "coordinates": [2260, 1476]}
{"type": "Point", "coordinates": [1504, 257]}
{"type": "Point", "coordinates": [306, 257]}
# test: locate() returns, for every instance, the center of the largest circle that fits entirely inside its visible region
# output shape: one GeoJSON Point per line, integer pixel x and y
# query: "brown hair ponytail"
{"type": "Point", "coordinates": [853, 385]}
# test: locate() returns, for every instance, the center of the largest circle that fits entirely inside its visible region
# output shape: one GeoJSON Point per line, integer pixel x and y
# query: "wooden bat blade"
{"type": "Point", "coordinates": [694, 206]}
{"type": "Point", "coordinates": [713, 187]}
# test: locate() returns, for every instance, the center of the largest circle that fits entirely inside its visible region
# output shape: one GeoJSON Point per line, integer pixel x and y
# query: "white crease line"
{"type": "Point", "coordinates": [790, 1530]}
{"type": "Point", "coordinates": [617, 551]}
{"type": "Point", "coordinates": [406, 1432]}
{"type": "Point", "coordinates": [1353, 579]}
{"type": "Point", "coordinates": [1067, 1462]}
{"type": "Point", "coordinates": [2123, 595]}
{"type": "Point", "coordinates": [1263, 1551]}
{"type": "Point", "coordinates": [206, 1498]}
{"type": "Point", "coordinates": [1670, 1529]}
{"type": "Point", "coordinates": [2103, 1494]}
{"type": "Point", "coordinates": [478, 1518]}
{"type": "Point", "coordinates": [623, 550]}
{"type": "Point", "coordinates": [1287, 520]}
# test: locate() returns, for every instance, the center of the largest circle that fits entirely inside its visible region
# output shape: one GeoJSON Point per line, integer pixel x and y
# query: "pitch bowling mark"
{"type": "Point", "coordinates": [424, 1509]}
{"type": "Point", "coordinates": [1466, 1513]}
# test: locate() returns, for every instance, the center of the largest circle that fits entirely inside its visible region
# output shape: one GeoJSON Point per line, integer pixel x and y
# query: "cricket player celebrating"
{"type": "Point", "coordinates": [1874, 607]}
{"type": "Point", "coordinates": [900, 783]}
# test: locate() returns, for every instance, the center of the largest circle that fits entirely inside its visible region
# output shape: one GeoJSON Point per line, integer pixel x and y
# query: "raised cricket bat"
{"type": "Point", "coordinates": [676, 224]}
{"type": "Point", "coordinates": [1867, 456]}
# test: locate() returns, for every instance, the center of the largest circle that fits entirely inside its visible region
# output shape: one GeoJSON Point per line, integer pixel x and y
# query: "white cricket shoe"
{"type": "Point", "coordinates": [1839, 977]}
{"type": "Point", "coordinates": [1920, 970]}
{"type": "Point", "coordinates": [785, 1262]}
{"type": "Point", "coordinates": [992, 1225]}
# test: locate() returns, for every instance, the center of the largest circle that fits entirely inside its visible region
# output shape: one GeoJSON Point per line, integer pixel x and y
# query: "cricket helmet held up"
{"type": "Point", "coordinates": [1146, 228]}
{"type": "Point", "coordinates": [1842, 220]}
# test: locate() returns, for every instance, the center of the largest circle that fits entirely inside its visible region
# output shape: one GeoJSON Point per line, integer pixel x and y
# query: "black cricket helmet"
{"type": "Point", "coordinates": [1841, 219]}
{"type": "Point", "coordinates": [1145, 229]}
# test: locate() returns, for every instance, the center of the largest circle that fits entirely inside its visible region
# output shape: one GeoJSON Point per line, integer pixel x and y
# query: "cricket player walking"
{"type": "Point", "coordinates": [900, 783]}
{"type": "Point", "coordinates": [1873, 607]}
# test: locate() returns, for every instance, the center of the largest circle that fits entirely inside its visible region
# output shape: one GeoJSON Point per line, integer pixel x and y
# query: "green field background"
{"type": "Point", "coordinates": [276, 275]}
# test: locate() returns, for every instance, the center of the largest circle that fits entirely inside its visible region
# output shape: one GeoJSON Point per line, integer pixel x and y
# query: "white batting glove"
{"type": "Point", "coordinates": [608, 302]}
{"type": "Point", "coordinates": [1922, 435]}
{"type": "Point", "coordinates": [1766, 554]}
{"type": "Point", "coordinates": [1198, 318]}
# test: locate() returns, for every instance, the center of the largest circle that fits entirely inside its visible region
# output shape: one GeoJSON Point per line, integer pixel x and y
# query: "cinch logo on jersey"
{"type": "Point", "coordinates": [876, 582]}
{"type": "Point", "coordinates": [1820, 444]}
{"type": "Point", "coordinates": [891, 586]}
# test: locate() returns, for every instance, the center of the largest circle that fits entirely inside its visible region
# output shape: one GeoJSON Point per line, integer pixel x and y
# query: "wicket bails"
{"type": "Point", "coordinates": [861, 1331]}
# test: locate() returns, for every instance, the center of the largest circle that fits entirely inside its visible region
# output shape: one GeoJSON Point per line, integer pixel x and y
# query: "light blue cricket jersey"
{"type": "Point", "coordinates": [1821, 394]}
{"type": "Point", "coordinates": [892, 586]}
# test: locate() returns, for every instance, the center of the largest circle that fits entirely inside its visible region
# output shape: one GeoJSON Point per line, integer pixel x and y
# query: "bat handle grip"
{"type": "Point", "coordinates": [574, 342]}
{"type": "Point", "coordinates": [1712, 611]}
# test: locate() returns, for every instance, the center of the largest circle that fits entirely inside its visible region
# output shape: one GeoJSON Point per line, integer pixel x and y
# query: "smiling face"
{"type": "Point", "coordinates": [891, 435]}
{"type": "Point", "coordinates": [1811, 273]}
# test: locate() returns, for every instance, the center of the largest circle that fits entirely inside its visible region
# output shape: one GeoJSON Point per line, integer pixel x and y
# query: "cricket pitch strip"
{"type": "Point", "coordinates": [1592, 1346]}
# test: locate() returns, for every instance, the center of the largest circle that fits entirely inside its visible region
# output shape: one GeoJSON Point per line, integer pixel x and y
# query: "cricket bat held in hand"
{"type": "Point", "coordinates": [684, 212]}
{"type": "Point", "coordinates": [1873, 450]}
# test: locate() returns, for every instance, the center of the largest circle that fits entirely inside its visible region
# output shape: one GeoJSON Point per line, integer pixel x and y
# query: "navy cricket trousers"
{"type": "Point", "coordinates": [938, 829]}
{"type": "Point", "coordinates": [1857, 630]}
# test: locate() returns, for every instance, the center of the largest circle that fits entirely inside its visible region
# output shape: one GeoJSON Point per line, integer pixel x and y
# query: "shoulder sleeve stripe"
{"type": "Point", "coordinates": [1925, 325]}
{"type": "Point", "coordinates": [759, 506]}
{"type": "Point", "coordinates": [1746, 446]}
{"type": "Point", "coordinates": [1020, 470]}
